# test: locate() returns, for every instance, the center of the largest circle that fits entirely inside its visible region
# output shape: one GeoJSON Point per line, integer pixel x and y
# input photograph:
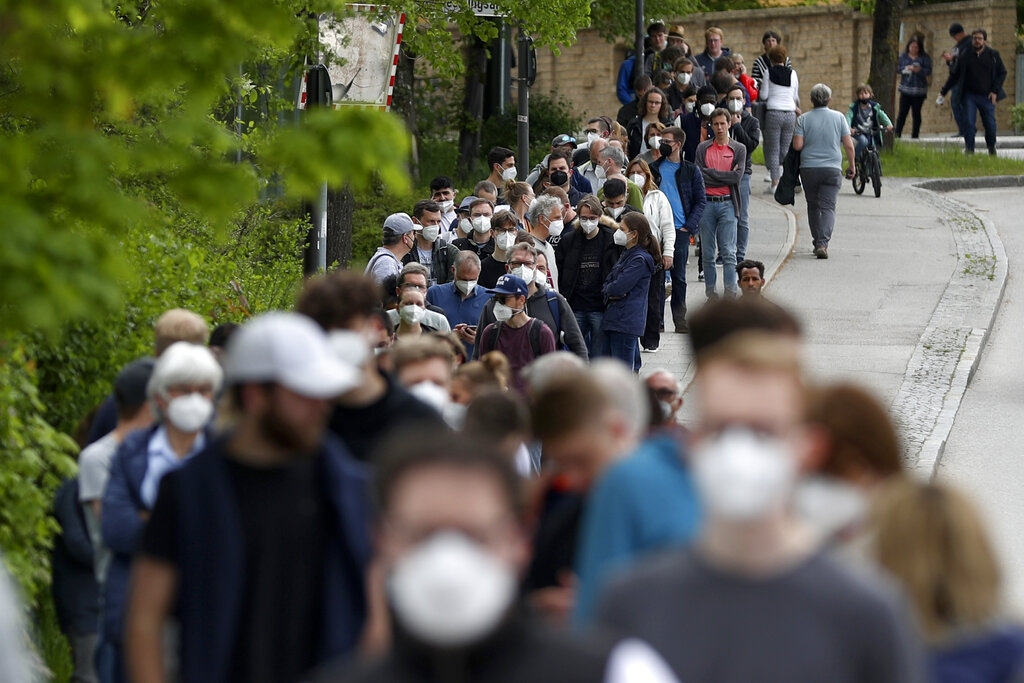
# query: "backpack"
{"type": "Point", "coordinates": [533, 332]}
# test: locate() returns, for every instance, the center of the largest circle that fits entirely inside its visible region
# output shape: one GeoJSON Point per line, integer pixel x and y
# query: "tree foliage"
{"type": "Point", "coordinates": [617, 18]}
{"type": "Point", "coordinates": [95, 99]}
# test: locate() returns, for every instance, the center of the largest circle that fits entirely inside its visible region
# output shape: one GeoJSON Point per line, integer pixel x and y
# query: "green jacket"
{"type": "Point", "coordinates": [880, 116]}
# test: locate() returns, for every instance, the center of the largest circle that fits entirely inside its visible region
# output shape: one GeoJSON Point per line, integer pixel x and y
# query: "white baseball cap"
{"type": "Point", "coordinates": [291, 350]}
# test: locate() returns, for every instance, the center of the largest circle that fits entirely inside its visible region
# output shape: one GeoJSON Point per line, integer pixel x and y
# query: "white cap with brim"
{"type": "Point", "coordinates": [291, 350]}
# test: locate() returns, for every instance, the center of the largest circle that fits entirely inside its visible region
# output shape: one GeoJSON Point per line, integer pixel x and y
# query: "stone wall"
{"type": "Point", "coordinates": [829, 44]}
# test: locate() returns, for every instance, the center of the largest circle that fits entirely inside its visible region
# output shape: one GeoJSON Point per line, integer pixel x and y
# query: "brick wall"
{"type": "Point", "coordinates": [829, 44]}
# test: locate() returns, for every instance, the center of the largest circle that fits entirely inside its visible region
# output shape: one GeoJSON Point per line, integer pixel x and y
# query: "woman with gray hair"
{"type": "Point", "coordinates": [820, 136]}
{"type": "Point", "coordinates": [180, 391]}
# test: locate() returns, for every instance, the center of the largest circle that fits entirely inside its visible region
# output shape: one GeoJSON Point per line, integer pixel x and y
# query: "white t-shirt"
{"type": "Point", "coordinates": [94, 467]}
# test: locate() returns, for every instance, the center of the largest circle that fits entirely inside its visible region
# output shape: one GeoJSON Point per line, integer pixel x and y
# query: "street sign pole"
{"type": "Point", "coordinates": [638, 64]}
{"type": "Point", "coordinates": [523, 113]}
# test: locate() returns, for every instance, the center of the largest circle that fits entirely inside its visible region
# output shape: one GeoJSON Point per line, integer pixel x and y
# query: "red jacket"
{"type": "Point", "coordinates": [751, 85]}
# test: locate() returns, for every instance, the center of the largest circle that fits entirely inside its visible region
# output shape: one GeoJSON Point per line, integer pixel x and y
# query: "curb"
{"type": "Point", "coordinates": [772, 270]}
{"type": "Point", "coordinates": [985, 182]}
{"type": "Point", "coordinates": [930, 455]}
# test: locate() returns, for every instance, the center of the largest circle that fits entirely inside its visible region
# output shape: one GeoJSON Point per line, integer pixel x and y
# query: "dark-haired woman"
{"type": "Point", "coordinates": [654, 107]}
{"type": "Point", "coordinates": [626, 289]}
{"type": "Point", "coordinates": [914, 67]}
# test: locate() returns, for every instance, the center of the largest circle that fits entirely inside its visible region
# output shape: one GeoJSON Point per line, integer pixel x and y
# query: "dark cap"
{"type": "Point", "coordinates": [707, 91]}
{"type": "Point", "coordinates": [510, 284]}
{"type": "Point", "coordinates": [130, 383]}
{"type": "Point", "coordinates": [563, 139]}
{"type": "Point", "coordinates": [955, 28]}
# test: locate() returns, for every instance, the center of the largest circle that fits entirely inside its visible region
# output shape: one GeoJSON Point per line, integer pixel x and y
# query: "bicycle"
{"type": "Point", "coordinates": [869, 165]}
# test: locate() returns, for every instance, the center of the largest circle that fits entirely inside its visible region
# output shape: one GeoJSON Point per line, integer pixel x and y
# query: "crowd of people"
{"type": "Point", "coordinates": [315, 496]}
{"type": "Point", "coordinates": [453, 467]}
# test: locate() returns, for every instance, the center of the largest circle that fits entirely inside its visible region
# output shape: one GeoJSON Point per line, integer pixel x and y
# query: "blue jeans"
{"type": "Point", "coordinates": [860, 143]}
{"type": "Point", "coordinates": [590, 326]}
{"type": "Point", "coordinates": [743, 223]}
{"type": "Point", "coordinates": [718, 238]}
{"type": "Point", "coordinates": [625, 347]}
{"type": "Point", "coordinates": [972, 105]}
{"type": "Point", "coordinates": [679, 256]}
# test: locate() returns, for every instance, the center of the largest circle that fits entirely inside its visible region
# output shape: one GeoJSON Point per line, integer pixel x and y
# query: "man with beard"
{"type": "Point", "coordinates": [259, 544]}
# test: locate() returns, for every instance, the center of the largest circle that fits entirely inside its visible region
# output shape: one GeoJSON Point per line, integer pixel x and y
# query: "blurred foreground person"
{"type": "Point", "coordinates": [639, 493]}
{"type": "Point", "coordinates": [346, 305]}
{"type": "Point", "coordinates": [15, 663]}
{"type": "Point", "coordinates": [858, 449]}
{"type": "Point", "coordinates": [490, 373]}
{"type": "Point", "coordinates": [453, 547]}
{"type": "Point", "coordinates": [259, 544]}
{"type": "Point", "coordinates": [931, 538]}
{"type": "Point", "coordinates": [754, 599]}
{"type": "Point", "coordinates": [180, 391]}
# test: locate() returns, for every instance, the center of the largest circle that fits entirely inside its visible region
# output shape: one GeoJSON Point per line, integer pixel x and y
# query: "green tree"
{"type": "Point", "coordinates": [97, 101]}
{"type": "Point", "coordinates": [616, 18]}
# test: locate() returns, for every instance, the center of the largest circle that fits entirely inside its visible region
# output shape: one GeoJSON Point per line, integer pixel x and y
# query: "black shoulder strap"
{"type": "Point", "coordinates": [534, 332]}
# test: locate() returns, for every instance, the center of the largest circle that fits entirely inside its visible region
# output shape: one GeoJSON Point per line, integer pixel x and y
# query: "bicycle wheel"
{"type": "Point", "coordinates": [858, 179]}
{"type": "Point", "coordinates": [876, 174]}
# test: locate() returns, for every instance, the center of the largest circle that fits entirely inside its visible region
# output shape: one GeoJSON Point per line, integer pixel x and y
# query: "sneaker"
{"type": "Point", "coordinates": [700, 277]}
{"type": "Point", "coordinates": [767, 179]}
{"type": "Point", "coordinates": [682, 328]}
{"type": "Point", "coordinates": [654, 350]}
{"type": "Point", "coordinates": [821, 252]}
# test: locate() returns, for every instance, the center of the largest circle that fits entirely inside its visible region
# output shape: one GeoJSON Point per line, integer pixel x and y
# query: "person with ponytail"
{"type": "Point", "coordinates": [627, 287]}
{"type": "Point", "coordinates": [519, 197]}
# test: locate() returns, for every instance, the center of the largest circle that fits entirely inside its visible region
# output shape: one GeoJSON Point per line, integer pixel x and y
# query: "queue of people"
{"type": "Point", "coordinates": [523, 516]}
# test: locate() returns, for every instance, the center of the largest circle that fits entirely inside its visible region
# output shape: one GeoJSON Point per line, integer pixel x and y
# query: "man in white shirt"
{"type": "Point", "coordinates": [397, 241]}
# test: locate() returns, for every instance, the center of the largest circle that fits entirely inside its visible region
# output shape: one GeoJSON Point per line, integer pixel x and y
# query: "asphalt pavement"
{"type": "Point", "coordinates": [985, 454]}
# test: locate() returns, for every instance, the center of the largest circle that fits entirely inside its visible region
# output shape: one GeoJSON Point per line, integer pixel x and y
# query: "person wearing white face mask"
{"type": "Point", "coordinates": [658, 210]}
{"type": "Point", "coordinates": [684, 75]}
{"type": "Point", "coordinates": [753, 559]}
{"type": "Point", "coordinates": [452, 547]}
{"type": "Point", "coordinates": [626, 289]}
{"type": "Point", "coordinates": [411, 309]}
{"type": "Point", "coordinates": [424, 366]}
{"type": "Point", "coordinates": [462, 299]}
{"type": "Point", "coordinates": [544, 220]}
{"type": "Point", "coordinates": [501, 162]}
{"type": "Point", "coordinates": [479, 239]}
{"type": "Point", "coordinates": [442, 191]}
{"type": "Point", "coordinates": [180, 391]}
{"type": "Point", "coordinates": [520, 337]}
{"type": "Point", "coordinates": [547, 305]}
{"type": "Point", "coordinates": [585, 256]}
{"type": "Point", "coordinates": [397, 241]}
{"type": "Point", "coordinates": [432, 250]}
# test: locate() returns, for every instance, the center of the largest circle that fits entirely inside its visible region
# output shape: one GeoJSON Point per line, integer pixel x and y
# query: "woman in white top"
{"type": "Point", "coordinates": [663, 229]}
{"type": "Point", "coordinates": [780, 90]}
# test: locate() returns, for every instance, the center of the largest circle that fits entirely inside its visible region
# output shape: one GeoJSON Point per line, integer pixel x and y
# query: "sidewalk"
{"type": "Point", "coordinates": [1007, 146]}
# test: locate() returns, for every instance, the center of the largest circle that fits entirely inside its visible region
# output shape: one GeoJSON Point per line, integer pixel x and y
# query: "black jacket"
{"type": "Point", "coordinates": [635, 135]}
{"type": "Point", "coordinates": [567, 256]}
{"type": "Point", "coordinates": [441, 260]}
{"type": "Point", "coordinates": [76, 595]}
{"type": "Point", "coordinates": [785, 193]}
{"type": "Point", "coordinates": [520, 651]}
{"type": "Point", "coordinates": [953, 82]}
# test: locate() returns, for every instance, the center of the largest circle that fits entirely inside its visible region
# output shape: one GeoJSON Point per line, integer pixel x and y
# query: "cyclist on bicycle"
{"type": "Point", "coordinates": [864, 116]}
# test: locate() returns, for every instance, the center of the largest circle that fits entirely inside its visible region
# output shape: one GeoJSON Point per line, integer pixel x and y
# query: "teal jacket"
{"type": "Point", "coordinates": [880, 116]}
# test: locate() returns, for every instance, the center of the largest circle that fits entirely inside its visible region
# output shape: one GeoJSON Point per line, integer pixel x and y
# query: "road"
{"type": "Point", "coordinates": [985, 452]}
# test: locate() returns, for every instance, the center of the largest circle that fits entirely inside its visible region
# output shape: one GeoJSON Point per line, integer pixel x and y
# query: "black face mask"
{"type": "Point", "coordinates": [559, 178]}
{"type": "Point", "coordinates": [865, 100]}
{"type": "Point", "coordinates": [665, 149]}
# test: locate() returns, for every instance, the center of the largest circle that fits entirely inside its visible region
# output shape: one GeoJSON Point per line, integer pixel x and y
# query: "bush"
{"type": "Point", "coordinates": [34, 459]}
{"type": "Point", "coordinates": [549, 116]}
{"type": "Point", "coordinates": [1017, 117]}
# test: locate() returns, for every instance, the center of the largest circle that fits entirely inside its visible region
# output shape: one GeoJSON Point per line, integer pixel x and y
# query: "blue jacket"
{"type": "Point", "coordinates": [624, 83]}
{"type": "Point", "coordinates": [707, 62]}
{"type": "Point", "coordinates": [212, 555]}
{"type": "Point", "coordinates": [625, 292]}
{"type": "Point", "coordinates": [75, 591]}
{"type": "Point", "coordinates": [914, 83]}
{"type": "Point", "coordinates": [458, 310]}
{"type": "Point", "coordinates": [989, 657]}
{"type": "Point", "coordinates": [690, 183]}
{"type": "Point", "coordinates": [644, 503]}
{"type": "Point", "coordinates": [121, 525]}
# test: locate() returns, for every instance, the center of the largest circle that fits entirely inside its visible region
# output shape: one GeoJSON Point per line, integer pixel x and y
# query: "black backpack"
{"type": "Point", "coordinates": [533, 331]}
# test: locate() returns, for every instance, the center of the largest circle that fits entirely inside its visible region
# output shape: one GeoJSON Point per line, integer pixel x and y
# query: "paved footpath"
{"type": "Point", "coordinates": [916, 302]}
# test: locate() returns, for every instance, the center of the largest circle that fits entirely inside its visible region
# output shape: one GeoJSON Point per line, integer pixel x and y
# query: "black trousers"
{"type": "Point", "coordinates": [655, 309]}
{"type": "Point", "coordinates": [910, 103]}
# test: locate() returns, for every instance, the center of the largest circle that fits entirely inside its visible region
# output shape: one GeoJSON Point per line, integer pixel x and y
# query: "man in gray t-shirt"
{"type": "Point", "coordinates": [754, 599]}
{"type": "Point", "coordinates": [820, 136]}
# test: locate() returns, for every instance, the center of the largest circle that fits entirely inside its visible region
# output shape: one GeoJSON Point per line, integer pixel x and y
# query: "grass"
{"type": "Point", "coordinates": [909, 160]}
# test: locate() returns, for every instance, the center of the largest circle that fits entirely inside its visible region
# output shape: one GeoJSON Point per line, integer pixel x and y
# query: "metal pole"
{"type": "Point", "coordinates": [638, 65]}
{"type": "Point", "coordinates": [502, 66]}
{"type": "Point", "coordinates": [523, 115]}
